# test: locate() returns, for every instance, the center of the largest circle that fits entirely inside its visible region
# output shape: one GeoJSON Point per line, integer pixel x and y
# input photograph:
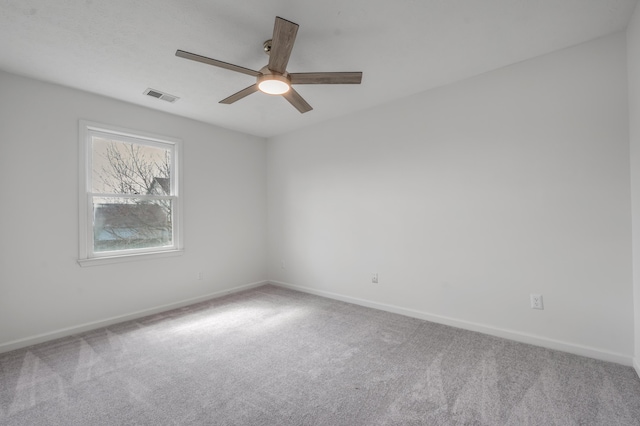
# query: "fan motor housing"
{"type": "Point", "coordinates": [273, 83]}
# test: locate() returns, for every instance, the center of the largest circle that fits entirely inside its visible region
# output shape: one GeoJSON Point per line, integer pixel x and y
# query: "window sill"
{"type": "Point", "coordinates": [95, 261]}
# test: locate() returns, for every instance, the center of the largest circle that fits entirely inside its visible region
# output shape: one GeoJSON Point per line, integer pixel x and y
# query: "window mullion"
{"type": "Point", "coordinates": [132, 196]}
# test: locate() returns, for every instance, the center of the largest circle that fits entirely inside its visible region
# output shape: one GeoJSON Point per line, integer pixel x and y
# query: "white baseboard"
{"type": "Point", "coordinates": [517, 336]}
{"type": "Point", "coordinates": [636, 365]}
{"type": "Point", "coordinates": [63, 332]}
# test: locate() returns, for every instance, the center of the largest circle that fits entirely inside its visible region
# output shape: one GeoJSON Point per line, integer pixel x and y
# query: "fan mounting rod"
{"type": "Point", "coordinates": [267, 46]}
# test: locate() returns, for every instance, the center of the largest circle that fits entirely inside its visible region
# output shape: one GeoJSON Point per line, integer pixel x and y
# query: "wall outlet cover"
{"type": "Point", "coordinates": [536, 301]}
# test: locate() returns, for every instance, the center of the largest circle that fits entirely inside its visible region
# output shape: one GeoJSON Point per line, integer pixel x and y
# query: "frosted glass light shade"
{"type": "Point", "coordinates": [273, 84]}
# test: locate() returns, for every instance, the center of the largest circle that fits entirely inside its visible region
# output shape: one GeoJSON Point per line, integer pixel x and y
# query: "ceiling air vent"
{"type": "Point", "coordinates": [161, 95]}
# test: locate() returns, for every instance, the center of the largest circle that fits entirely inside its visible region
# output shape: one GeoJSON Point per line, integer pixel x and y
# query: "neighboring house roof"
{"type": "Point", "coordinates": [160, 186]}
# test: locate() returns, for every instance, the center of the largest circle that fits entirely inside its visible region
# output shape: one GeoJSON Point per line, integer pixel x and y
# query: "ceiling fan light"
{"type": "Point", "coordinates": [273, 84]}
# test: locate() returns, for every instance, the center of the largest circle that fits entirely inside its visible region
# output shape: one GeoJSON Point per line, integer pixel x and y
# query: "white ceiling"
{"type": "Point", "coordinates": [118, 48]}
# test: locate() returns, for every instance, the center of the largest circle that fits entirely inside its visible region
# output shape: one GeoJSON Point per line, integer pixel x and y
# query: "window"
{"type": "Point", "coordinates": [129, 195]}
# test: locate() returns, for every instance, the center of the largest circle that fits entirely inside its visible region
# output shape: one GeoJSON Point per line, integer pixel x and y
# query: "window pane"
{"type": "Point", "coordinates": [129, 168]}
{"type": "Point", "coordinates": [126, 223]}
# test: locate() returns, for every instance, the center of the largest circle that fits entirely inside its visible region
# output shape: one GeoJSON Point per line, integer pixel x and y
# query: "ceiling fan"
{"type": "Point", "coordinates": [273, 78]}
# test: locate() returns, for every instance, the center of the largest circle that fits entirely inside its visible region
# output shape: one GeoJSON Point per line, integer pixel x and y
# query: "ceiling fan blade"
{"type": "Point", "coordinates": [216, 63]}
{"type": "Point", "coordinates": [241, 94]}
{"type": "Point", "coordinates": [284, 35]}
{"type": "Point", "coordinates": [297, 101]}
{"type": "Point", "coordinates": [326, 77]}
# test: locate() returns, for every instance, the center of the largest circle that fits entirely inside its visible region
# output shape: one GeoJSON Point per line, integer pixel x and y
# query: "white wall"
{"type": "Point", "coordinates": [464, 199]}
{"type": "Point", "coordinates": [633, 61]}
{"type": "Point", "coordinates": [42, 288]}
{"type": "Point", "coordinates": [467, 198]}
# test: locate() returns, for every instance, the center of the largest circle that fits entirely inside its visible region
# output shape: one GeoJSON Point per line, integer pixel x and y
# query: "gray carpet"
{"type": "Point", "coordinates": [271, 356]}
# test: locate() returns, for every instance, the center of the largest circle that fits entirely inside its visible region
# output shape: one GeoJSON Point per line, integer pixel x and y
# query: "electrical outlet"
{"type": "Point", "coordinates": [200, 276]}
{"type": "Point", "coordinates": [536, 301]}
{"type": "Point", "coordinates": [282, 264]}
{"type": "Point", "coordinates": [374, 277]}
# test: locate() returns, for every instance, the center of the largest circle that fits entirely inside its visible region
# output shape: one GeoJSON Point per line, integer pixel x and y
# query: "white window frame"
{"type": "Point", "coordinates": [87, 256]}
